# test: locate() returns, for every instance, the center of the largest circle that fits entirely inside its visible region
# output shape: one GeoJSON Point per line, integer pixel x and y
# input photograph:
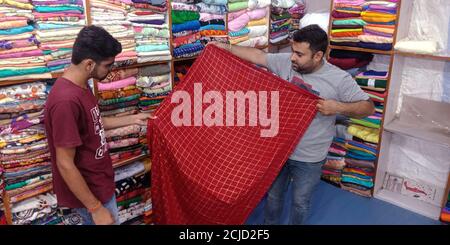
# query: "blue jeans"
{"type": "Point", "coordinates": [111, 205]}
{"type": "Point", "coordinates": [305, 177]}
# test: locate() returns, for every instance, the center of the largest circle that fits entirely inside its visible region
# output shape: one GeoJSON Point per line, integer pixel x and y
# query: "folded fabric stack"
{"type": "Point", "coordinates": [445, 213]}
{"type": "Point", "coordinates": [363, 24]}
{"type": "Point", "coordinates": [20, 57]}
{"type": "Point", "coordinates": [119, 96]}
{"type": "Point", "coordinates": [353, 62]}
{"type": "Point", "coordinates": [156, 84]}
{"type": "Point", "coordinates": [212, 20]}
{"type": "Point", "coordinates": [332, 169]}
{"type": "Point", "coordinates": [36, 210]}
{"type": "Point", "coordinates": [112, 15]}
{"type": "Point", "coordinates": [347, 23]}
{"type": "Point", "coordinates": [358, 174]}
{"type": "Point", "coordinates": [380, 17]}
{"type": "Point", "coordinates": [151, 30]}
{"type": "Point", "coordinates": [297, 11]}
{"type": "Point", "coordinates": [23, 144]}
{"type": "Point", "coordinates": [148, 207]}
{"type": "Point", "coordinates": [131, 183]}
{"type": "Point", "coordinates": [248, 23]}
{"type": "Point", "coordinates": [58, 23]}
{"type": "Point", "coordinates": [186, 28]}
{"type": "Point", "coordinates": [24, 152]}
{"type": "Point", "coordinates": [180, 72]}
{"type": "Point", "coordinates": [280, 21]}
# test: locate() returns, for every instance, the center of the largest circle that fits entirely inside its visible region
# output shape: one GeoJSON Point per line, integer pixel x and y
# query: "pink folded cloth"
{"type": "Point", "coordinates": [117, 84]}
{"type": "Point", "coordinates": [234, 15]}
{"type": "Point", "coordinates": [238, 23]}
{"type": "Point", "coordinates": [22, 54]}
{"type": "Point", "coordinates": [127, 54]}
{"type": "Point", "coordinates": [257, 13]}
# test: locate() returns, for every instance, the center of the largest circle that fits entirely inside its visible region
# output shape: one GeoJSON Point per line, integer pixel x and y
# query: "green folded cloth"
{"type": "Point", "coordinates": [236, 6]}
{"type": "Point", "coordinates": [365, 123]}
{"type": "Point", "coordinates": [377, 83]}
{"type": "Point", "coordinates": [181, 16]}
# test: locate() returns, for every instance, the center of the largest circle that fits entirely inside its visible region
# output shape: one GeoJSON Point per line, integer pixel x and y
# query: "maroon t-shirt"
{"type": "Point", "coordinates": [72, 120]}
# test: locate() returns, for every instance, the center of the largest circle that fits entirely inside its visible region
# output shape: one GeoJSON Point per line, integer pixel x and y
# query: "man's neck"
{"type": "Point", "coordinates": [76, 76]}
{"type": "Point", "coordinates": [319, 66]}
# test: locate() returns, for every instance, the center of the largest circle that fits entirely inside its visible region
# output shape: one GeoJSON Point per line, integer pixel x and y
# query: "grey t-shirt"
{"type": "Point", "coordinates": [329, 82]}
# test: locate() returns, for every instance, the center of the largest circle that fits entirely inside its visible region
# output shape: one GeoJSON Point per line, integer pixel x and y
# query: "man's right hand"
{"type": "Point", "coordinates": [102, 216]}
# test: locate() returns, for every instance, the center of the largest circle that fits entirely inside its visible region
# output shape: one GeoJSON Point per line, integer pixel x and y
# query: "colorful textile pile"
{"type": "Point", "coordinates": [186, 28]}
{"type": "Point", "coordinates": [297, 11]}
{"type": "Point", "coordinates": [248, 23]}
{"type": "Point", "coordinates": [332, 169]}
{"type": "Point", "coordinates": [358, 174]}
{"type": "Point", "coordinates": [112, 15]}
{"type": "Point", "coordinates": [348, 60]}
{"type": "Point", "coordinates": [280, 24]}
{"type": "Point", "coordinates": [23, 146]}
{"type": "Point", "coordinates": [131, 183]}
{"type": "Point", "coordinates": [212, 20]}
{"type": "Point", "coordinates": [363, 24]}
{"type": "Point", "coordinates": [151, 30]}
{"type": "Point", "coordinates": [58, 23]}
{"type": "Point", "coordinates": [20, 57]}
{"type": "Point", "coordinates": [156, 84]}
{"type": "Point", "coordinates": [119, 96]}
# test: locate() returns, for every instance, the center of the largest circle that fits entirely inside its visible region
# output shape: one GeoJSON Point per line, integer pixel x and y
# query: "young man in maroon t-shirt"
{"type": "Point", "coordinates": [83, 177]}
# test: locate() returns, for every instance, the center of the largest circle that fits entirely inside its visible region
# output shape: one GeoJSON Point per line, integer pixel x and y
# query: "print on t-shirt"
{"type": "Point", "coordinates": [302, 84]}
{"type": "Point", "coordinates": [99, 130]}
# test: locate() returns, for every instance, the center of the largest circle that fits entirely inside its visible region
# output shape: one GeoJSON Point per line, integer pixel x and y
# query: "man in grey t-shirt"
{"type": "Point", "coordinates": [339, 93]}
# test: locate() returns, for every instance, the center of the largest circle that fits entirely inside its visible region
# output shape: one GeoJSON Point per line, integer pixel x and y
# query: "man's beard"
{"type": "Point", "coordinates": [301, 70]}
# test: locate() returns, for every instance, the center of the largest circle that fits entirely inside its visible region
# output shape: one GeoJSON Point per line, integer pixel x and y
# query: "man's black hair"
{"type": "Point", "coordinates": [315, 36]}
{"type": "Point", "coordinates": [94, 43]}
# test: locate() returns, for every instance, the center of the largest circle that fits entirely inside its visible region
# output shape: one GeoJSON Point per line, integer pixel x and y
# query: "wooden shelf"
{"type": "Point", "coordinates": [183, 59]}
{"type": "Point", "coordinates": [375, 51]}
{"type": "Point", "coordinates": [131, 160]}
{"type": "Point", "coordinates": [423, 56]}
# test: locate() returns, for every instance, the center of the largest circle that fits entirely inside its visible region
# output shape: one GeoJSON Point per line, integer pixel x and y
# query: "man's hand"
{"type": "Point", "coordinates": [329, 107]}
{"type": "Point", "coordinates": [141, 118]}
{"type": "Point", "coordinates": [102, 216]}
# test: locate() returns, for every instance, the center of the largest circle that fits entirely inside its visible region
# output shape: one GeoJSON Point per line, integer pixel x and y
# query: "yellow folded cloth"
{"type": "Point", "coordinates": [367, 134]}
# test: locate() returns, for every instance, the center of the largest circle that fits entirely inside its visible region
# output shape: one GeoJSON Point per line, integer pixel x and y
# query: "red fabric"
{"type": "Point", "coordinates": [217, 175]}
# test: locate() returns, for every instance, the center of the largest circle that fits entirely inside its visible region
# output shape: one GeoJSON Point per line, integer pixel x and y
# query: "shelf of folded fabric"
{"type": "Point", "coordinates": [442, 57]}
{"type": "Point", "coordinates": [37, 193]}
{"type": "Point", "coordinates": [186, 58]}
{"type": "Point", "coordinates": [139, 65]}
{"type": "Point", "coordinates": [361, 49]}
{"type": "Point", "coordinates": [14, 82]}
{"type": "Point", "coordinates": [131, 160]}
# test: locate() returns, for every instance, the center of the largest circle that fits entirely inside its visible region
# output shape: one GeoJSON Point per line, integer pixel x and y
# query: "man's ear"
{"type": "Point", "coordinates": [318, 55]}
{"type": "Point", "coordinates": [89, 65]}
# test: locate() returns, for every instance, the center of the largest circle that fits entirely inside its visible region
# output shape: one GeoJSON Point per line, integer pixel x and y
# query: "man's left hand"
{"type": "Point", "coordinates": [328, 107]}
{"type": "Point", "coordinates": [142, 118]}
